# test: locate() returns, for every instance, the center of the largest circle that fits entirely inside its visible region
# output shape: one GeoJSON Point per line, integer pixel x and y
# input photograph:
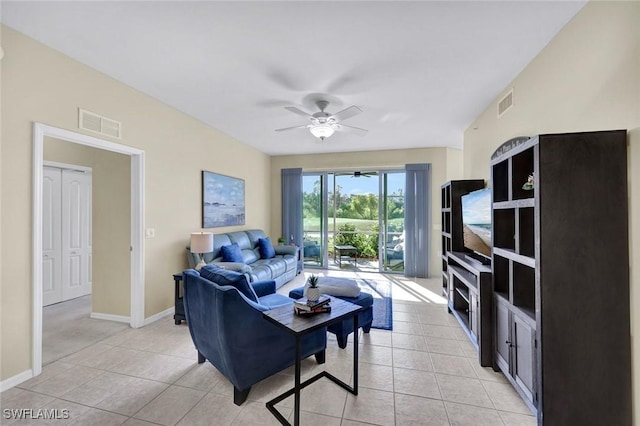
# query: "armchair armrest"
{"type": "Point", "coordinates": [243, 268]}
{"type": "Point", "coordinates": [263, 288]}
{"type": "Point", "coordinates": [282, 250]}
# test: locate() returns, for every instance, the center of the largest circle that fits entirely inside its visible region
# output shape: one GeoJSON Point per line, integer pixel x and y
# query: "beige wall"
{"type": "Point", "coordinates": [438, 157]}
{"type": "Point", "coordinates": [454, 164]}
{"type": "Point", "coordinates": [42, 85]}
{"type": "Point", "coordinates": [587, 78]}
{"type": "Point", "coordinates": [111, 207]}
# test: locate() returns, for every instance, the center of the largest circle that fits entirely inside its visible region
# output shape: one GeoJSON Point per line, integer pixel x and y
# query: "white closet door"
{"type": "Point", "coordinates": [51, 236]}
{"type": "Point", "coordinates": [76, 233]}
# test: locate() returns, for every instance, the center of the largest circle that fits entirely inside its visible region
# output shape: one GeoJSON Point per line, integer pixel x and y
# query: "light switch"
{"type": "Point", "coordinates": [150, 233]}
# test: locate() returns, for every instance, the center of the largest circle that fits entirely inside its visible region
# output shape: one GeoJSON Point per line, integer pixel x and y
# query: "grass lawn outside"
{"type": "Point", "coordinates": [312, 224]}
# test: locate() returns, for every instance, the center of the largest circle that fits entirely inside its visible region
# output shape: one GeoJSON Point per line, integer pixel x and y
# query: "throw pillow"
{"type": "Point", "coordinates": [266, 248]}
{"type": "Point", "coordinates": [235, 279]}
{"type": "Point", "coordinates": [231, 253]}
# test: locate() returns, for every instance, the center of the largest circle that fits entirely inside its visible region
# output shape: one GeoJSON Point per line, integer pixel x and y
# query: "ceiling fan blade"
{"type": "Point", "coordinates": [347, 113]}
{"type": "Point", "coordinates": [350, 129]}
{"type": "Point", "coordinates": [298, 111]}
{"type": "Point", "coordinates": [284, 129]}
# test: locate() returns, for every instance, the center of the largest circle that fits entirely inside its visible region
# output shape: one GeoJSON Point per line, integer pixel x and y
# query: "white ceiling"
{"type": "Point", "coordinates": [421, 71]}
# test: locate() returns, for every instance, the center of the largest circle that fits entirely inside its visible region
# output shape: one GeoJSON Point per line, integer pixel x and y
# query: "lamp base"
{"type": "Point", "coordinates": [200, 264]}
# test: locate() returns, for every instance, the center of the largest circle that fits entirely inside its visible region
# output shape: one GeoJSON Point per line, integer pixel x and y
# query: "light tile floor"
{"type": "Point", "coordinates": [424, 372]}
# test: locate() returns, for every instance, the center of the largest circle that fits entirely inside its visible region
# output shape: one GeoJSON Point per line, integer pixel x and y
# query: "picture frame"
{"type": "Point", "coordinates": [223, 200]}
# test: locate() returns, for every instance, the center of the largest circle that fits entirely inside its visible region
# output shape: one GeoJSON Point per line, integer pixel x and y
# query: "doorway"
{"type": "Point", "coordinates": [136, 318]}
{"type": "Point", "coordinates": [359, 212]}
{"type": "Point", "coordinates": [67, 232]}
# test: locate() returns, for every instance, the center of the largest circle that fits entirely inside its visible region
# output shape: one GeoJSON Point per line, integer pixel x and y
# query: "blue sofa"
{"type": "Point", "coordinates": [281, 268]}
{"type": "Point", "coordinates": [228, 329]}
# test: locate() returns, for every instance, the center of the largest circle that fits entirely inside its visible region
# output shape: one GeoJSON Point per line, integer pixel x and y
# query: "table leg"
{"type": "Point", "coordinates": [355, 354]}
{"type": "Point", "coordinates": [296, 406]}
{"type": "Point", "coordinates": [178, 315]}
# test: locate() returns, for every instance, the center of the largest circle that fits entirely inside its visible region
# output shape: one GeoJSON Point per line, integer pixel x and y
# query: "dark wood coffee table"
{"type": "Point", "coordinates": [299, 326]}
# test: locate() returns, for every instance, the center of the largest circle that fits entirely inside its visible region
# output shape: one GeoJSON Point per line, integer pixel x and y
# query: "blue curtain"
{"type": "Point", "coordinates": [292, 205]}
{"type": "Point", "coordinates": [417, 219]}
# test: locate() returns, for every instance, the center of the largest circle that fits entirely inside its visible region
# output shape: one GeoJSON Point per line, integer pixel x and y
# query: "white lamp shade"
{"type": "Point", "coordinates": [201, 242]}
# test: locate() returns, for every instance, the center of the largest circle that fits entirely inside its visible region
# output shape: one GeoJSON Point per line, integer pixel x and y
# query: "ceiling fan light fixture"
{"type": "Point", "coordinates": [322, 131]}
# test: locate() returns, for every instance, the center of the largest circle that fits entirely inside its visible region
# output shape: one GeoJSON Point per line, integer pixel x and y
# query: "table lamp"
{"type": "Point", "coordinates": [201, 243]}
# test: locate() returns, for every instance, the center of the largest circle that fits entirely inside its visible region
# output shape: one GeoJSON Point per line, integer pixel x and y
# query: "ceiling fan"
{"type": "Point", "coordinates": [364, 174]}
{"type": "Point", "coordinates": [323, 124]}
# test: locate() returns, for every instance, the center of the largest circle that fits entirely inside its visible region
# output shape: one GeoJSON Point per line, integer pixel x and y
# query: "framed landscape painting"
{"type": "Point", "coordinates": [222, 200]}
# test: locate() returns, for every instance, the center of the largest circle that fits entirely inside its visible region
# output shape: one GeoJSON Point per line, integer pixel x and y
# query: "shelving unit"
{"type": "Point", "coordinates": [560, 275]}
{"type": "Point", "coordinates": [469, 301]}
{"type": "Point", "coordinates": [452, 239]}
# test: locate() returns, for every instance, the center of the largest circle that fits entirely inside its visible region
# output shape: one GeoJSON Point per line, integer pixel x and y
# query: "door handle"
{"type": "Point", "coordinates": [508, 343]}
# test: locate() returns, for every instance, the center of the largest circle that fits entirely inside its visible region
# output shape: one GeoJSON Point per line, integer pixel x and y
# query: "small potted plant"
{"type": "Point", "coordinates": [281, 240]}
{"type": "Point", "coordinates": [313, 291]}
{"type": "Point", "coordinates": [530, 183]}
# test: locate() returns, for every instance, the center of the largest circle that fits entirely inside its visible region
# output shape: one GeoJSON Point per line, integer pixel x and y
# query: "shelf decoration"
{"type": "Point", "coordinates": [529, 184]}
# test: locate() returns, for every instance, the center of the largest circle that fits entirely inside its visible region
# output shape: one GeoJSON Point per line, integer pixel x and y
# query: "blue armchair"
{"type": "Point", "coordinates": [228, 329]}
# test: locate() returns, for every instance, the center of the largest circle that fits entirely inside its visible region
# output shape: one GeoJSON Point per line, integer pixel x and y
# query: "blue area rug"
{"type": "Point", "coordinates": [382, 302]}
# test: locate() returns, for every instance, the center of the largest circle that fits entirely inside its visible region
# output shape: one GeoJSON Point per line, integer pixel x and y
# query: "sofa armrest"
{"type": "Point", "coordinates": [282, 250]}
{"type": "Point", "coordinates": [243, 268]}
{"type": "Point", "coordinates": [263, 288]}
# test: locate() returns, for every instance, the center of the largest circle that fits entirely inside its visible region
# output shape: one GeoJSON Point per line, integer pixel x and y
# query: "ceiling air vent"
{"type": "Point", "coordinates": [93, 122]}
{"type": "Point", "coordinates": [506, 103]}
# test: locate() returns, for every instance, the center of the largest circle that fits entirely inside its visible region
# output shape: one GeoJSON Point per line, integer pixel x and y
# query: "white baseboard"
{"type": "Point", "coordinates": [109, 317]}
{"type": "Point", "coordinates": [15, 380]}
{"type": "Point", "coordinates": [159, 315]}
{"type": "Point", "coordinates": [122, 318]}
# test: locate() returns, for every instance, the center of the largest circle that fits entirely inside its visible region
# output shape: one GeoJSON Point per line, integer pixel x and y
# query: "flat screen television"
{"type": "Point", "coordinates": [476, 222]}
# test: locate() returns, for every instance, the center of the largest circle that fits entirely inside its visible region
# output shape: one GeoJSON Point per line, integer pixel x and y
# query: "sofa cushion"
{"type": "Point", "coordinates": [277, 265]}
{"type": "Point", "coordinates": [266, 248]}
{"type": "Point", "coordinates": [242, 239]}
{"type": "Point", "coordinates": [231, 253]}
{"type": "Point", "coordinates": [225, 277]}
{"type": "Point", "coordinates": [260, 272]}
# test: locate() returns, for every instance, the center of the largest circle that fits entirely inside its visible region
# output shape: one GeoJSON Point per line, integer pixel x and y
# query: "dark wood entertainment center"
{"type": "Point", "coordinates": [469, 300]}
{"type": "Point", "coordinates": [552, 310]}
{"type": "Point", "coordinates": [451, 215]}
{"type": "Point", "coordinates": [561, 276]}
{"type": "Point", "coordinates": [466, 282]}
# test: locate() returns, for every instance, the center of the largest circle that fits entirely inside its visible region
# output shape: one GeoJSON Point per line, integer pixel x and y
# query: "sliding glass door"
{"type": "Point", "coordinates": [361, 212]}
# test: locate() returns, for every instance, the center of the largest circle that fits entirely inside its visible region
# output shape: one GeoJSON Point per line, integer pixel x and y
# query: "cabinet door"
{"type": "Point", "coordinates": [503, 337]}
{"type": "Point", "coordinates": [524, 356]}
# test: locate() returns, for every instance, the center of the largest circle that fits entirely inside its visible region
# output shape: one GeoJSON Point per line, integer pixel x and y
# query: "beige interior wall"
{"type": "Point", "coordinates": [371, 159]}
{"type": "Point", "coordinates": [42, 85]}
{"type": "Point", "coordinates": [454, 164]}
{"type": "Point", "coordinates": [587, 78]}
{"type": "Point", "coordinates": [111, 207]}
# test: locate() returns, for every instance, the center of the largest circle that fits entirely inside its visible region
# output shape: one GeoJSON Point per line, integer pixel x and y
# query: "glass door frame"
{"type": "Point", "coordinates": [382, 220]}
{"type": "Point", "coordinates": [324, 220]}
